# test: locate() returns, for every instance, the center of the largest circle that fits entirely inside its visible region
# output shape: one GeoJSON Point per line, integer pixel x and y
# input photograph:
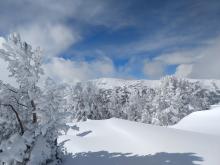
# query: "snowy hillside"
{"type": "Point", "coordinates": [121, 142]}
{"type": "Point", "coordinates": [108, 83]}
{"type": "Point", "coordinates": [203, 121]}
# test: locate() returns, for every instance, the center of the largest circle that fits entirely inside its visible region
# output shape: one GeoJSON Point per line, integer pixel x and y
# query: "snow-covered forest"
{"type": "Point", "coordinates": [158, 102]}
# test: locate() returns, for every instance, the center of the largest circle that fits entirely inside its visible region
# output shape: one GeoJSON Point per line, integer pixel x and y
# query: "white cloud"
{"type": "Point", "coordinates": [180, 57]}
{"type": "Point", "coordinates": [52, 38]}
{"type": "Point", "coordinates": [74, 71]}
{"type": "Point", "coordinates": [4, 75]}
{"type": "Point", "coordinates": [184, 70]}
{"type": "Point", "coordinates": [153, 69]}
{"type": "Point", "coordinates": [201, 62]}
{"type": "Point", "coordinates": [103, 67]}
{"type": "Point", "coordinates": [208, 66]}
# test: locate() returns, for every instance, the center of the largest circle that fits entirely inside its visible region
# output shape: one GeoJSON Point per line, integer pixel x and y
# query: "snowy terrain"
{"type": "Point", "coordinates": [120, 142]}
{"type": "Point", "coordinates": [202, 121]}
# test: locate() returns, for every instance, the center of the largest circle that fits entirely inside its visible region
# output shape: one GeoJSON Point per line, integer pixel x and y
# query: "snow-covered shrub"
{"type": "Point", "coordinates": [30, 118]}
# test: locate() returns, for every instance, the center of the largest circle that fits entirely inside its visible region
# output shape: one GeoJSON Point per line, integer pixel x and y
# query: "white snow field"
{"type": "Point", "coordinates": [121, 142]}
{"type": "Point", "coordinates": [203, 121]}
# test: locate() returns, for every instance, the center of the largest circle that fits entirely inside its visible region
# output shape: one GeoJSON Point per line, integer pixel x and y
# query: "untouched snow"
{"type": "Point", "coordinates": [202, 121]}
{"type": "Point", "coordinates": [121, 142]}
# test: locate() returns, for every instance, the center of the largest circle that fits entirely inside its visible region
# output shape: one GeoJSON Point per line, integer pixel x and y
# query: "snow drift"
{"type": "Point", "coordinates": [202, 121]}
{"type": "Point", "coordinates": [122, 142]}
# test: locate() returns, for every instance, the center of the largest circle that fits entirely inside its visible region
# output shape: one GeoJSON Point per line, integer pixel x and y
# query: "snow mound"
{"type": "Point", "coordinates": [202, 121]}
{"type": "Point", "coordinates": [122, 142]}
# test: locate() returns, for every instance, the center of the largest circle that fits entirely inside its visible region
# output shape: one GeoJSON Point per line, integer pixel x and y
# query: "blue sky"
{"type": "Point", "coordinates": [132, 39]}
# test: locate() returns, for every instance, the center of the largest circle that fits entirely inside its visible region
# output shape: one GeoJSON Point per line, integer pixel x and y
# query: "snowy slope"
{"type": "Point", "coordinates": [202, 121]}
{"type": "Point", "coordinates": [121, 142]}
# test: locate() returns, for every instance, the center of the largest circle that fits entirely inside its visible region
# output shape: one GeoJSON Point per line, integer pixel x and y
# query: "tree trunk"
{"type": "Point", "coordinates": [34, 114]}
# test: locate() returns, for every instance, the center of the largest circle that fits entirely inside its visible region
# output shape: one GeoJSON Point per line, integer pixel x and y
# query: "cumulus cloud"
{"type": "Point", "coordinates": [183, 70]}
{"type": "Point", "coordinates": [153, 69]}
{"type": "Point", "coordinates": [201, 62]}
{"type": "Point", "coordinates": [208, 66]}
{"type": "Point", "coordinates": [52, 38]}
{"type": "Point", "coordinates": [69, 71]}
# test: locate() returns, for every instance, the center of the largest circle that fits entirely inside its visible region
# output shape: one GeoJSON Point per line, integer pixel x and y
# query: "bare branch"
{"type": "Point", "coordinates": [17, 116]}
{"type": "Point", "coordinates": [19, 102]}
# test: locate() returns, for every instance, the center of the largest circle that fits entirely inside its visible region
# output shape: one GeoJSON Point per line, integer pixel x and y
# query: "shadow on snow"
{"type": "Point", "coordinates": [84, 133]}
{"type": "Point", "coordinates": [106, 158]}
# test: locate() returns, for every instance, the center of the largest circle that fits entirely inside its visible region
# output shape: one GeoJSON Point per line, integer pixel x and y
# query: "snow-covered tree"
{"type": "Point", "coordinates": [30, 119]}
{"type": "Point", "coordinates": [177, 98]}
{"type": "Point", "coordinates": [165, 104]}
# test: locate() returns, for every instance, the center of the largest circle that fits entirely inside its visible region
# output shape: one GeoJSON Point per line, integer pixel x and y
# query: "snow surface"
{"type": "Point", "coordinates": [202, 121]}
{"type": "Point", "coordinates": [121, 142]}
